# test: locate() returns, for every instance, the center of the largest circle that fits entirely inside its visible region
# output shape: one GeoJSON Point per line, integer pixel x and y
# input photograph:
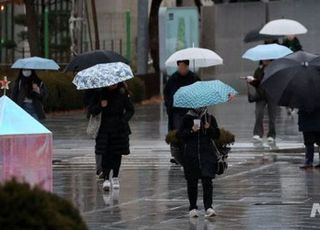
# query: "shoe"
{"type": "Point", "coordinates": [99, 175]}
{"type": "Point", "coordinates": [194, 213]}
{"type": "Point", "coordinates": [115, 183]}
{"type": "Point", "coordinates": [106, 185]}
{"type": "Point", "coordinates": [306, 167]}
{"type": "Point", "coordinates": [257, 138]}
{"type": "Point", "coordinates": [173, 161]}
{"type": "Point", "coordinates": [210, 213]}
{"type": "Point", "coordinates": [317, 166]}
{"type": "Point", "coordinates": [271, 139]}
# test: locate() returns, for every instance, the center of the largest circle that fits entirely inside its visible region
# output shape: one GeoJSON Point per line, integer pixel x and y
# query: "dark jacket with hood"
{"type": "Point", "coordinates": [175, 82]}
{"type": "Point", "coordinates": [199, 156]}
{"type": "Point", "coordinates": [23, 89]}
{"type": "Point", "coordinates": [114, 131]}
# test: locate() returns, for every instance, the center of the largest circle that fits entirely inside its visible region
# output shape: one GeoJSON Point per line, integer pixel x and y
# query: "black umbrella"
{"type": "Point", "coordinates": [294, 81]}
{"type": "Point", "coordinates": [86, 60]}
{"type": "Point", "coordinates": [255, 36]}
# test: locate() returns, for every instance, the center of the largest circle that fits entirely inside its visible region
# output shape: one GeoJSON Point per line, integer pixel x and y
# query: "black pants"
{"type": "Point", "coordinates": [193, 192]}
{"type": "Point", "coordinates": [310, 138]}
{"type": "Point", "coordinates": [111, 162]}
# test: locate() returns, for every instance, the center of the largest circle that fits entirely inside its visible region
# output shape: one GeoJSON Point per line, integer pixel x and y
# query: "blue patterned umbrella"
{"type": "Point", "coordinates": [203, 93]}
{"type": "Point", "coordinates": [102, 75]}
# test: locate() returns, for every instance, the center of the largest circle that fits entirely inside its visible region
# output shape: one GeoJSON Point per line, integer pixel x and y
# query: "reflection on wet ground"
{"type": "Point", "coordinates": [261, 190]}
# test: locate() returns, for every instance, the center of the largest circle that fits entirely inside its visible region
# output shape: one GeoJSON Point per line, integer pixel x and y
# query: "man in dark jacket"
{"type": "Point", "coordinates": [293, 43]}
{"type": "Point", "coordinates": [309, 125]}
{"type": "Point", "coordinates": [182, 77]}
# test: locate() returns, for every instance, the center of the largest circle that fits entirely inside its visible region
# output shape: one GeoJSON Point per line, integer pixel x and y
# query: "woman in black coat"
{"type": "Point", "coordinates": [199, 156]}
{"type": "Point", "coordinates": [113, 136]}
{"type": "Point", "coordinates": [29, 93]}
{"type": "Point", "coordinates": [309, 125]}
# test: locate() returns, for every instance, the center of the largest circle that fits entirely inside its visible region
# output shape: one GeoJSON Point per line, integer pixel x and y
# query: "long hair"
{"type": "Point", "coordinates": [26, 82]}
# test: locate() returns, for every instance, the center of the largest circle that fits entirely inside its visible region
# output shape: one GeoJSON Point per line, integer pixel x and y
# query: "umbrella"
{"type": "Point", "coordinates": [198, 57]}
{"type": "Point", "coordinates": [283, 27]}
{"type": "Point", "coordinates": [255, 36]}
{"type": "Point", "coordinates": [294, 81]}
{"type": "Point", "coordinates": [266, 52]}
{"type": "Point", "coordinates": [203, 93]}
{"type": "Point", "coordinates": [103, 75]}
{"type": "Point", "coordinates": [35, 63]}
{"type": "Point", "coordinates": [89, 59]}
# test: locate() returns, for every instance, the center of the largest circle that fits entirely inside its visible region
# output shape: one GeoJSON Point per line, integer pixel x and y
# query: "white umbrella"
{"type": "Point", "coordinates": [283, 27]}
{"type": "Point", "coordinates": [198, 57]}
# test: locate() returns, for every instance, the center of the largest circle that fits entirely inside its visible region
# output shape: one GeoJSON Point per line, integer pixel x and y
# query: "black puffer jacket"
{"type": "Point", "coordinates": [199, 157]}
{"type": "Point", "coordinates": [113, 135]}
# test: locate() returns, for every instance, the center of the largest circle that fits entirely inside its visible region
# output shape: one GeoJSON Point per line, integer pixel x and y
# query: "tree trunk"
{"type": "Point", "coordinates": [95, 24]}
{"type": "Point", "coordinates": [154, 33]}
{"type": "Point", "coordinates": [33, 28]}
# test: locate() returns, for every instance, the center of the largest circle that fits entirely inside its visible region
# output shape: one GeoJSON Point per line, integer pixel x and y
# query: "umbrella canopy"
{"type": "Point", "coordinates": [255, 36]}
{"type": "Point", "coordinates": [294, 81]}
{"type": "Point", "coordinates": [203, 93]}
{"type": "Point", "coordinates": [198, 57]}
{"type": "Point", "coordinates": [266, 52]}
{"type": "Point", "coordinates": [89, 59]}
{"type": "Point", "coordinates": [283, 27]}
{"type": "Point", "coordinates": [102, 75]}
{"type": "Point", "coordinates": [36, 63]}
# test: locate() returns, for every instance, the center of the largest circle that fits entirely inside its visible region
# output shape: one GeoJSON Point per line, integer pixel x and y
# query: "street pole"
{"type": "Point", "coordinates": [128, 29]}
{"type": "Point", "coordinates": [143, 38]}
{"type": "Point", "coordinates": [46, 32]}
{"type": "Point", "coordinates": [95, 24]}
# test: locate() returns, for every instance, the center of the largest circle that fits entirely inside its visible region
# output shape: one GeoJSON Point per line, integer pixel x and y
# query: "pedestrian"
{"type": "Point", "coordinates": [112, 140]}
{"type": "Point", "coordinates": [29, 92]}
{"type": "Point", "coordinates": [197, 132]}
{"type": "Point", "coordinates": [262, 101]}
{"type": "Point", "coordinates": [182, 77]}
{"type": "Point", "coordinates": [309, 125]}
{"type": "Point", "coordinates": [293, 43]}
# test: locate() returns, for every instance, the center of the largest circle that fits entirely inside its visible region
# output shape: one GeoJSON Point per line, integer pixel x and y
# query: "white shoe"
{"type": "Point", "coordinates": [194, 213]}
{"type": "Point", "coordinates": [115, 183]}
{"type": "Point", "coordinates": [106, 185]}
{"type": "Point", "coordinates": [257, 138]}
{"type": "Point", "coordinates": [270, 139]}
{"type": "Point", "coordinates": [210, 213]}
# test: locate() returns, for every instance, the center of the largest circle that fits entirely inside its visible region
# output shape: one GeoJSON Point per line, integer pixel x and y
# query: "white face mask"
{"type": "Point", "coordinates": [26, 73]}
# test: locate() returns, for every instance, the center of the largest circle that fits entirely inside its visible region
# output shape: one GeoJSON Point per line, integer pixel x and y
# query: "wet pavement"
{"type": "Point", "coordinates": [262, 189]}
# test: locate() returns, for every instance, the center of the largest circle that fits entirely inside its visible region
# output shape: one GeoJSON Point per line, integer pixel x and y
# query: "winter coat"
{"type": "Point", "coordinates": [199, 155]}
{"type": "Point", "coordinates": [294, 44]}
{"type": "Point", "coordinates": [175, 82]}
{"type": "Point", "coordinates": [309, 121]}
{"type": "Point", "coordinates": [23, 88]}
{"type": "Point", "coordinates": [114, 131]}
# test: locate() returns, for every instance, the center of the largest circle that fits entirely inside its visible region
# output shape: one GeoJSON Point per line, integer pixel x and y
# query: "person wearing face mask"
{"type": "Point", "coordinates": [197, 132]}
{"type": "Point", "coordinates": [29, 93]}
{"type": "Point", "coordinates": [182, 77]}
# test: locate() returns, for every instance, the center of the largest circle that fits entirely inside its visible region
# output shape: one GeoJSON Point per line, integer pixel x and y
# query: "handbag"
{"type": "Point", "coordinates": [253, 95]}
{"type": "Point", "coordinates": [94, 125]}
{"type": "Point", "coordinates": [221, 164]}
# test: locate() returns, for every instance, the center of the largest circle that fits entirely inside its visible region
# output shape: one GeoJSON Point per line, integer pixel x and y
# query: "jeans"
{"type": "Point", "coordinates": [28, 107]}
{"type": "Point", "coordinates": [272, 110]}
{"type": "Point", "coordinates": [192, 186]}
{"type": "Point", "coordinates": [310, 138]}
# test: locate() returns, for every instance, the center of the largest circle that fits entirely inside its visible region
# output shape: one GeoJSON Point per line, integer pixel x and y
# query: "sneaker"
{"type": "Point", "coordinates": [194, 213]}
{"type": "Point", "coordinates": [271, 139]}
{"type": "Point", "coordinates": [106, 185]}
{"type": "Point", "coordinates": [100, 175]}
{"type": "Point", "coordinates": [306, 166]}
{"type": "Point", "coordinates": [257, 138]}
{"type": "Point", "coordinates": [210, 213]}
{"type": "Point", "coordinates": [115, 183]}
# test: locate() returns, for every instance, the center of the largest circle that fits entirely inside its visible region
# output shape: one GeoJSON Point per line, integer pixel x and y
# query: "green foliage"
{"type": "Point", "coordinates": [23, 207]}
{"type": "Point", "coordinates": [137, 89]}
{"type": "Point", "coordinates": [226, 138]}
